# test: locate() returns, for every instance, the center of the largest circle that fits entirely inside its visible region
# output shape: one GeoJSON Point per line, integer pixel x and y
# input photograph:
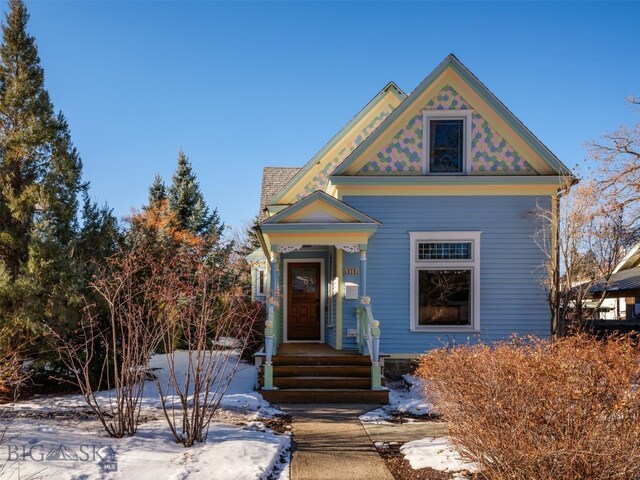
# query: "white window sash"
{"type": "Point", "coordinates": [462, 114]}
{"type": "Point", "coordinates": [416, 265]}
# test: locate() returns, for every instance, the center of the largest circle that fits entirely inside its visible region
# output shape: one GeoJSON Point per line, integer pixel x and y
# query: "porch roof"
{"type": "Point", "coordinates": [318, 219]}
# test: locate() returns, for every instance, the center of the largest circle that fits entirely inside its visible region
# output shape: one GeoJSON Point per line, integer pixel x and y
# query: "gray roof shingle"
{"type": "Point", "coordinates": [620, 281]}
{"type": "Point", "coordinates": [274, 179]}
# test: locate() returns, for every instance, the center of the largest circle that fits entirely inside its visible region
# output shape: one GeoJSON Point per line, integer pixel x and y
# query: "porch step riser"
{"type": "Point", "coordinates": [321, 382]}
{"type": "Point", "coordinates": [297, 360]}
{"type": "Point", "coordinates": [326, 396]}
{"type": "Point", "coordinates": [321, 371]}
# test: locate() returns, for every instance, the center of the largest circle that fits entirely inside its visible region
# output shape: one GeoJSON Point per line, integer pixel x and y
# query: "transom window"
{"type": "Point", "coordinates": [444, 250]}
{"type": "Point", "coordinates": [445, 281]}
{"type": "Point", "coordinates": [447, 140]}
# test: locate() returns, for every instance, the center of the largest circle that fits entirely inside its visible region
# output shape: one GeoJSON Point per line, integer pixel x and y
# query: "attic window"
{"type": "Point", "coordinates": [447, 141]}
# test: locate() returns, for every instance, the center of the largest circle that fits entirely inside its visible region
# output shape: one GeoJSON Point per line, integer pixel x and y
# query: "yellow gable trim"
{"type": "Point", "coordinates": [345, 142]}
{"type": "Point", "coordinates": [318, 238]}
{"type": "Point", "coordinates": [442, 190]}
{"type": "Point", "coordinates": [319, 206]}
{"type": "Point", "coordinates": [451, 78]}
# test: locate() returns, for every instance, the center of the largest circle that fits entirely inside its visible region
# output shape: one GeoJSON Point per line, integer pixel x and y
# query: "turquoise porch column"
{"type": "Point", "coordinates": [269, 331]}
{"type": "Point", "coordinates": [363, 271]}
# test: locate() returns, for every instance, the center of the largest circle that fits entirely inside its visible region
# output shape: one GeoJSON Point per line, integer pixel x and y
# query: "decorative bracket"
{"type": "Point", "coordinates": [349, 248]}
{"type": "Point", "coordinates": [288, 248]}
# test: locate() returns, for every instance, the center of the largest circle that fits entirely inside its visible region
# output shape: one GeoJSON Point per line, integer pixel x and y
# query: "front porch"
{"type": "Point", "coordinates": [321, 341]}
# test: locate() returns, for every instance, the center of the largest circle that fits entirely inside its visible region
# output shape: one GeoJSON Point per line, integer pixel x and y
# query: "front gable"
{"type": "Point", "coordinates": [318, 219]}
{"type": "Point", "coordinates": [499, 143]}
{"type": "Point", "coordinates": [491, 154]}
{"type": "Point", "coordinates": [313, 176]}
{"type": "Point", "coordinates": [319, 208]}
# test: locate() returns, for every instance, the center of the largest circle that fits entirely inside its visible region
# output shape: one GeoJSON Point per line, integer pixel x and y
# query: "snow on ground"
{"type": "Point", "coordinates": [56, 437]}
{"type": "Point", "coordinates": [401, 402]}
{"type": "Point", "coordinates": [436, 453]}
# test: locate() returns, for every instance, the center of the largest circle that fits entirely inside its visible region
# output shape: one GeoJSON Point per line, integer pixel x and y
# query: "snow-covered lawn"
{"type": "Point", "coordinates": [401, 402]}
{"type": "Point", "coordinates": [431, 452]}
{"type": "Point", "coordinates": [57, 437]}
{"type": "Point", "coordinates": [435, 453]}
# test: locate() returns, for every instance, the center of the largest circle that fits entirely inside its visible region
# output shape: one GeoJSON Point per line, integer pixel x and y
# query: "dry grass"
{"type": "Point", "coordinates": [532, 409]}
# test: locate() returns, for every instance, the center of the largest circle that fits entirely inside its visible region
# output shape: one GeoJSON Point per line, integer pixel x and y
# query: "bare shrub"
{"type": "Point", "coordinates": [12, 372]}
{"type": "Point", "coordinates": [122, 343]}
{"type": "Point", "coordinates": [207, 312]}
{"type": "Point", "coordinates": [533, 409]}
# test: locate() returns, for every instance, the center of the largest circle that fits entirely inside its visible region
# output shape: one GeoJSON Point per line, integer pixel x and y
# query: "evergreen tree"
{"type": "Point", "coordinates": [98, 238]}
{"type": "Point", "coordinates": [247, 241]}
{"type": "Point", "coordinates": [186, 201]}
{"type": "Point", "coordinates": [45, 255]}
{"type": "Point", "coordinates": [157, 192]}
{"type": "Point", "coordinates": [27, 131]}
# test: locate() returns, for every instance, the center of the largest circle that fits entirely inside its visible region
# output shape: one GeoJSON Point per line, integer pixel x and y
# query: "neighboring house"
{"type": "Point", "coordinates": [622, 291]}
{"type": "Point", "coordinates": [416, 214]}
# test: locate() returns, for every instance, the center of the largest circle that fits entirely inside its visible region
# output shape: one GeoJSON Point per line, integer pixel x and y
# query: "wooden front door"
{"type": "Point", "coordinates": [303, 301]}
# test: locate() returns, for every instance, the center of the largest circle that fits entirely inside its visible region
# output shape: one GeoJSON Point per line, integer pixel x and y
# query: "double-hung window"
{"type": "Point", "coordinates": [447, 142]}
{"type": "Point", "coordinates": [445, 281]}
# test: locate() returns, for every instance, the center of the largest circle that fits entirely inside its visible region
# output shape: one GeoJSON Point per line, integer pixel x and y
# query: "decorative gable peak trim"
{"type": "Point", "coordinates": [452, 72]}
{"type": "Point", "coordinates": [320, 208]}
{"type": "Point", "coordinates": [389, 88]}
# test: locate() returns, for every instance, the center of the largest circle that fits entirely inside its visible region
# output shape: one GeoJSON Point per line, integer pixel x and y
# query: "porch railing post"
{"type": "Point", "coordinates": [268, 346]}
{"type": "Point", "coordinates": [376, 370]}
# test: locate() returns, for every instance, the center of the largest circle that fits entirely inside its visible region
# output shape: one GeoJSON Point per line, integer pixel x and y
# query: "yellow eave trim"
{"type": "Point", "coordinates": [442, 190]}
{"type": "Point", "coordinates": [317, 238]}
{"type": "Point", "coordinates": [290, 196]}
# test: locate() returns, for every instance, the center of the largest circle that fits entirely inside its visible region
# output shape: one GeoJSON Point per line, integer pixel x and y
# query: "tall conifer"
{"type": "Point", "coordinates": [27, 130]}
{"type": "Point", "coordinates": [157, 192]}
{"type": "Point", "coordinates": [187, 202]}
{"type": "Point", "coordinates": [41, 272]}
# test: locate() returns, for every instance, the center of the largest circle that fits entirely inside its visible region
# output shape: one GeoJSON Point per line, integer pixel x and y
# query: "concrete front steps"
{"type": "Point", "coordinates": [323, 379]}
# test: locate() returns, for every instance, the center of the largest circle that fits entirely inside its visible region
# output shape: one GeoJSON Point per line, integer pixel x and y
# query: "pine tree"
{"type": "Point", "coordinates": [41, 272]}
{"type": "Point", "coordinates": [187, 202]}
{"type": "Point", "coordinates": [157, 192]}
{"type": "Point", "coordinates": [98, 238]}
{"type": "Point", "coordinates": [247, 241]}
{"type": "Point", "coordinates": [28, 128]}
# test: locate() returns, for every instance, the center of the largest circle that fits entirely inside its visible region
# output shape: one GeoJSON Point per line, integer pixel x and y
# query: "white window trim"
{"type": "Point", "coordinates": [323, 296]}
{"type": "Point", "coordinates": [264, 282]}
{"type": "Point", "coordinates": [473, 264]}
{"type": "Point", "coordinates": [462, 114]}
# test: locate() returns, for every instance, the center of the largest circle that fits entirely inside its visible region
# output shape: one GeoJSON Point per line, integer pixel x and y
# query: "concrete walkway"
{"type": "Point", "coordinates": [405, 432]}
{"type": "Point", "coordinates": [329, 443]}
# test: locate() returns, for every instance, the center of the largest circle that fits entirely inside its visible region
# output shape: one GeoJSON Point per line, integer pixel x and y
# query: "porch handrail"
{"type": "Point", "coordinates": [369, 340]}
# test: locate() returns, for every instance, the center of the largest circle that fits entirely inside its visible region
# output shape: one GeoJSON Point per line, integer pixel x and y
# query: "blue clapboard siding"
{"type": "Point", "coordinates": [512, 299]}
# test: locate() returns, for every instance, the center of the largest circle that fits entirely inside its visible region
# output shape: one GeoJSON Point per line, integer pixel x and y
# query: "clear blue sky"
{"type": "Point", "coordinates": [243, 85]}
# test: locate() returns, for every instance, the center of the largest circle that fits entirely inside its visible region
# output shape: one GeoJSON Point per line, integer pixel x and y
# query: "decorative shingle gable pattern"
{"type": "Point", "coordinates": [318, 181]}
{"type": "Point", "coordinates": [490, 153]}
{"type": "Point", "coordinates": [274, 179]}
